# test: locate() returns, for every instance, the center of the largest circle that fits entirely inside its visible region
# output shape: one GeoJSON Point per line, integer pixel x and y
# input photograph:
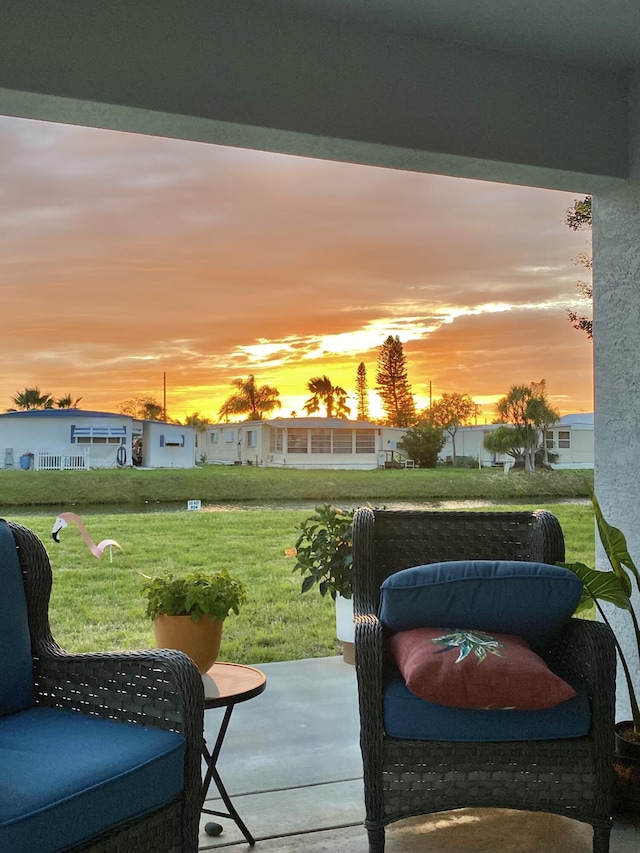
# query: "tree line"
{"type": "Point", "coordinates": [524, 416]}
{"type": "Point", "coordinates": [256, 402]}
{"type": "Point", "coordinates": [524, 413]}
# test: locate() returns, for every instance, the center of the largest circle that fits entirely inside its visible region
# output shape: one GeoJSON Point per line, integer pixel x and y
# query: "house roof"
{"type": "Point", "coordinates": [165, 424]}
{"type": "Point", "coordinates": [36, 414]}
{"type": "Point", "coordinates": [581, 420]}
{"type": "Point", "coordinates": [308, 423]}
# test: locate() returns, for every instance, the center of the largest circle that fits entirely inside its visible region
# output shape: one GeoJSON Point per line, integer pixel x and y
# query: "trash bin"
{"type": "Point", "coordinates": [25, 461]}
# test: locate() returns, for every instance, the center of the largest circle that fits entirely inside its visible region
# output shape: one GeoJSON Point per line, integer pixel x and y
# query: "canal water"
{"type": "Point", "coordinates": [306, 506]}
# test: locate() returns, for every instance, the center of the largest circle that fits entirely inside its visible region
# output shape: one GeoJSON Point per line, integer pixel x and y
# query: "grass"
{"type": "Point", "coordinates": [97, 605]}
{"type": "Point", "coordinates": [215, 484]}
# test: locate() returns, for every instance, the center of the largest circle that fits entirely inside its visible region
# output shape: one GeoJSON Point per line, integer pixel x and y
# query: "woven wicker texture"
{"type": "Point", "coordinates": [571, 777]}
{"type": "Point", "coordinates": [158, 688]}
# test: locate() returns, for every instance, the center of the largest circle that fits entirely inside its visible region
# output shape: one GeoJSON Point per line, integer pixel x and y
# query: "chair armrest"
{"type": "Point", "coordinates": [369, 644]}
{"type": "Point", "coordinates": [586, 650]}
{"type": "Point", "coordinates": [158, 687]}
{"type": "Point", "coordinates": [369, 649]}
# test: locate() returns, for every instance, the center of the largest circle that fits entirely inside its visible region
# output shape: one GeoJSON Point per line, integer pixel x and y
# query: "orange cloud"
{"type": "Point", "coordinates": [125, 258]}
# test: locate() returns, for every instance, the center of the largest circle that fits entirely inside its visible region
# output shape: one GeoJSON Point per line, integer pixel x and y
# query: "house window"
{"type": "Point", "coordinates": [365, 441]}
{"type": "Point", "coordinates": [97, 439]}
{"type": "Point", "coordinates": [98, 435]}
{"type": "Point", "coordinates": [564, 439]}
{"type": "Point", "coordinates": [252, 438]}
{"type": "Point", "coordinates": [228, 436]}
{"type": "Point", "coordinates": [275, 440]}
{"type": "Point", "coordinates": [321, 441]}
{"type": "Point", "coordinates": [342, 442]}
{"type": "Point", "coordinates": [297, 441]}
{"type": "Point", "coordinates": [172, 440]}
{"type": "Point", "coordinates": [549, 440]}
{"type": "Point", "coordinates": [214, 437]}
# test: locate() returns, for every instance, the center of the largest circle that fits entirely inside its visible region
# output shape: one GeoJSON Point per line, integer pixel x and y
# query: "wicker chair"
{"type": "Point", "coordinates": [157, 688]}
{"type": "Point", "coordinates": [403, 778]}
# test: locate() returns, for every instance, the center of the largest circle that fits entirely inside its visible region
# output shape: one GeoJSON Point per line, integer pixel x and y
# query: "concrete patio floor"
{"type": "Point", "coordinates": [291, 763]}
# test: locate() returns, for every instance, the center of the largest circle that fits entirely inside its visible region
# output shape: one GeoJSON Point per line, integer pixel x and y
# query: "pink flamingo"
{"type": "Point", "coordinates": [97, 550]}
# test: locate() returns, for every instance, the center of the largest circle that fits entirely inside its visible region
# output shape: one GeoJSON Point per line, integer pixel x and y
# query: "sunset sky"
{"type": "Point", "coordinates": [125, 257]}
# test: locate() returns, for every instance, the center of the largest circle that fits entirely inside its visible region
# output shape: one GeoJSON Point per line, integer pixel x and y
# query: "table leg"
{"type": "Point", "coordinates": [211, 759]}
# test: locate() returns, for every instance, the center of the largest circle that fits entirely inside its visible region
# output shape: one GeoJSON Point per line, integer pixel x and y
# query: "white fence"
{"type": "Point", "coordinates": [45, 461]}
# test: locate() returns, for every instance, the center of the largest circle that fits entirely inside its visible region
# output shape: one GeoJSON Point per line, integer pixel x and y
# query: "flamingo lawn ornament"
{"type": "Point", "coordinates": [97, 550]}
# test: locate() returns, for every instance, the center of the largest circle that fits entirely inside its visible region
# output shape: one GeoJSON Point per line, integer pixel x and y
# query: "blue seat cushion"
{"type": "Point", "coordinates": [67, 777]}
{"type": "Point", "coordinates": [16, 677]}
{"type": "Point", "coordinates": [410, 717]}
{"type": "Point", "coordinates": [530, 600]}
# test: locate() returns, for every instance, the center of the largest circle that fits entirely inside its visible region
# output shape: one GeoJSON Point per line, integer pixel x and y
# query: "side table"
{"type": "Point", "coordinates": [225, 686]}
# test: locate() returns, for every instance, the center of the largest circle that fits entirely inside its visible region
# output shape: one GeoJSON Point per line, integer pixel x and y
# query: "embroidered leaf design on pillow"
{"type": "Point", "coordinates": [467, 642]}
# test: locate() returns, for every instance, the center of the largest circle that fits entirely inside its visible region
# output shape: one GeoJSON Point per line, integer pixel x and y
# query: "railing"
{"type": "Point", "coordinates": [45, 461]}
{"type": "Point", "coordinates": [394, 459]}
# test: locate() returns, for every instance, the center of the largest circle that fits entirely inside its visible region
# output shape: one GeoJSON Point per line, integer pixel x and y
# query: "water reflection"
{"type": "Point", "coordinates": [295, 506]}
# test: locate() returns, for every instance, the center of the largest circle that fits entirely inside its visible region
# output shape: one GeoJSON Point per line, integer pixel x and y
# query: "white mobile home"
{"type": "Point", "coordinates": [54, 439]}
{"type": "Point", "coordinates": [304, 443]}
{"type": "Point", "coordinates": [571, 438]}
{"type": "Point", "coordinates": [168, 445]}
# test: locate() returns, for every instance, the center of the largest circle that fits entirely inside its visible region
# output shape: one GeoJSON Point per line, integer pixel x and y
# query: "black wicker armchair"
{"type": "Point", "coordinates": [404, 778]}
{"type": "Point", "coordinates": [157, 689]}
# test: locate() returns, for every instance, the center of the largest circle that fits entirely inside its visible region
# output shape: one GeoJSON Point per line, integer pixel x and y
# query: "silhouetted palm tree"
{"type": "Point", "coordinates": [332, 397]}
{"type": "Point", "coordinates": [251, 400]}
{"type": "Point", "coordinates": [200, 422]}
{"type": "Point", "coordinates": [67, 402]}
{"type": "Point", "coordinates": [31, 398]}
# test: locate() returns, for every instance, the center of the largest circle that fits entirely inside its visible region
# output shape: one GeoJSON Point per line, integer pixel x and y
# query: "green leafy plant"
{"type": "Point", "coordinates": [614, 586]}
{"type": "Point", "coordinates": [195, 594]}
{"type": "Point", "coordinates": [324, 551]}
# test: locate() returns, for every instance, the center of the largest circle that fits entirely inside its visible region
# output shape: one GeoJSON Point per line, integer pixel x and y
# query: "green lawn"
{"type": "Point", "coordinates": [214, 484]}
{"type": "Point", "coordinates": [97, 605]}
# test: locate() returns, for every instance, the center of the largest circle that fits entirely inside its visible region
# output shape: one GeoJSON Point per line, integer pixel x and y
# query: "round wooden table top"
{"type": "Point", "coordinates": [230, 683]}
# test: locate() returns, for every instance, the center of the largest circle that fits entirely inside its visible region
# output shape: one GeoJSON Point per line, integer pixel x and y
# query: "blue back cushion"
{"type": "Point", "coordinates": [531, 600]}
{"type": "Point", "coordinates": [16, 680]}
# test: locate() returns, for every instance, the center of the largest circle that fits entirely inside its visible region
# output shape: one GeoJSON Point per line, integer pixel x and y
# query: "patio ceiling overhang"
{"type": "Point", "coordinates": [536, 96]}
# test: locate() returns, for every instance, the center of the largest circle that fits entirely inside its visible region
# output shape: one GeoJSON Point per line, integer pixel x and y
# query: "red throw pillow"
{"type": "Point", "coordinates": [472, 669]}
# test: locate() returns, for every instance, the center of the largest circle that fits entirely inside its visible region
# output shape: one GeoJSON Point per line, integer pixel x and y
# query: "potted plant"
{"type": "Point", "coordinates": [325, 558]}
{"type": "Point", "coordinates": [188, 612]}
{"type": "Point", "coordinates": [615, 586]}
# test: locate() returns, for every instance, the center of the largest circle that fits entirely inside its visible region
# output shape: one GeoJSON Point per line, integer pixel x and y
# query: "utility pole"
{"type": "Point", "coordinates": [164, 397]}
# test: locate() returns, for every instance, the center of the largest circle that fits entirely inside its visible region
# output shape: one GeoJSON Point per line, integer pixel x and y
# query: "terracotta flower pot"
{"type": "Point", "coordinates": [200, 640]}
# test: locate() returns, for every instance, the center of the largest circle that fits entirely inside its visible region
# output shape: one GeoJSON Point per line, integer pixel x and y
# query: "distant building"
{"type": "Point", "coordinates": [79, 440]}
{"type": "Point", "coordinates": [571, 438]}
{"type": "Point", "coordinates": [303, 443]}
{"type": "Point", "coordinates": [168, 445]}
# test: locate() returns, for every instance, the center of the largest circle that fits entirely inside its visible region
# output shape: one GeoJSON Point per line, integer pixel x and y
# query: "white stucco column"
{"type": "Point", "coordinates": [616, 267]}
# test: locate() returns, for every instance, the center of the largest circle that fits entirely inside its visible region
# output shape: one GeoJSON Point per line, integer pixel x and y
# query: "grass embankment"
{"type": "Point", "coordinates": [97, 605]}
{"type": "Point", "coordinates": [214, 484]}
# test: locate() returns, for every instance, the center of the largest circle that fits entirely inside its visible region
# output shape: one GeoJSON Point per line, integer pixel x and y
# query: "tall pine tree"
{"type": "Point", "coordinates": [362, 392]}
{"type": "Point", "coordinates": [393, 385]}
